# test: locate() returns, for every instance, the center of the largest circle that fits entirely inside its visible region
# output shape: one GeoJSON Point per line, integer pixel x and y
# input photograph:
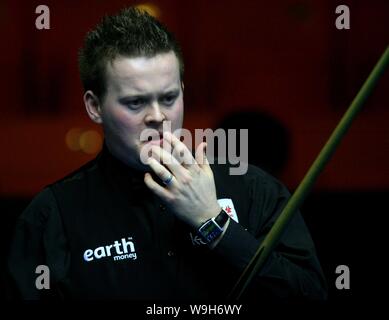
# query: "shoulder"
{"type": "Point", "coordinates": [73, 186]}
{"type": "Point", "coordinates": [39, 209]}
{"type": "Point", "coordinates": [78, 175]}
{"type": "Point", "coordinates": [45, 202]}
{"type": "Point", "coordinates": [253, 176]}
{"type": "Point", "coordinates": [254, 189]}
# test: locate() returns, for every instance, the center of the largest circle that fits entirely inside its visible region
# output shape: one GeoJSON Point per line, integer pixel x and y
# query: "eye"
{"type": "Point", "coordinates": [135, 103]}
{"type": "Point", "coordinates": [169, 99]}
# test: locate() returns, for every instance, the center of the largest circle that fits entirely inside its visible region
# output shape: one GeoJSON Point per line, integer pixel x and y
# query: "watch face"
{"type": "Point", "coordinates": [213, 235]}
{"type": "Point", "coordinates": [209, 231]}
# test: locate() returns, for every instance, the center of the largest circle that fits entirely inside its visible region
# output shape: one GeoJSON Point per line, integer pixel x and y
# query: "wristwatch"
{"type": "Point", "coordinates": [213, 228]}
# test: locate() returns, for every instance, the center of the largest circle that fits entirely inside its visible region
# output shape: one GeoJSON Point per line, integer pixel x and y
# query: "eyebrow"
{"type": "Point", "coordinates": [148, 96]}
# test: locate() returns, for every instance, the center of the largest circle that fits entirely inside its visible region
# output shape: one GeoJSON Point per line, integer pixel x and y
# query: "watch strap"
{"type": "Point", "coordinates": [222, 218]}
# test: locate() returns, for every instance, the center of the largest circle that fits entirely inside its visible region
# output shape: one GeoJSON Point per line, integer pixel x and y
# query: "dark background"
{"type": "Point", "coordinates": [284, 63]}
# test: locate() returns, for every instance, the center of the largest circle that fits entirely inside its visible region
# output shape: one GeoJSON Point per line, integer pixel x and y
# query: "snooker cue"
{"type": "Point", "coordinates": [275, 233]}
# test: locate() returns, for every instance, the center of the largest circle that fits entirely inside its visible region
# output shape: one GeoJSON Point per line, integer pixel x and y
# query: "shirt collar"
{"type": "Point", "coordinates": [118, 173]}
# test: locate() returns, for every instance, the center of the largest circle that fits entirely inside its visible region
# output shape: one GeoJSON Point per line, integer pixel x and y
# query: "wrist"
{"type": "Point", "coordinates": [213, 228]}
{"type": "Point", "coordinates": [215, 243]}
{"type": "Point", "coordinates": [212, 213]}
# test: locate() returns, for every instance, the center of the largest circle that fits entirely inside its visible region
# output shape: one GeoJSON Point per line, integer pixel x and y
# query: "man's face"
{"type": "Point", "coordinates": [141, 94]}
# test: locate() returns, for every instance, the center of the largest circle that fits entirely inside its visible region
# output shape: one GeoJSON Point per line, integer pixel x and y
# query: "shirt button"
{"type": "Point", "coordinates": [170, 253]}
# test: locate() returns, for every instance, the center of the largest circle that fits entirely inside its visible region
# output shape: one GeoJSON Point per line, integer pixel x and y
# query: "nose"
{"type": "Point", "coordinates": [154, 114]}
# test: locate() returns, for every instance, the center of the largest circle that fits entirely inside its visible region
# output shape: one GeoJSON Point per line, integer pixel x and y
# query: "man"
{"type": "Point", "coordinates": [126, 227]}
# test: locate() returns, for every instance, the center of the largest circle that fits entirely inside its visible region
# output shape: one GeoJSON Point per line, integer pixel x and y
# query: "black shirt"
{"type": "Point", "coordinates": [103, 234]}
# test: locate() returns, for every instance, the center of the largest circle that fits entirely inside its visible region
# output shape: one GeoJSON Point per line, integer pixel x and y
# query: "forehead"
{"type": "Point", "coordinates": [143, 74]}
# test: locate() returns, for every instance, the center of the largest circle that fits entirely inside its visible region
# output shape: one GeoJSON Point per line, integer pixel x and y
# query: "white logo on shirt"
{"type": "Point", "coordinates": [228, 206]}
{"type": "Point", "coordinates": [119, 250]}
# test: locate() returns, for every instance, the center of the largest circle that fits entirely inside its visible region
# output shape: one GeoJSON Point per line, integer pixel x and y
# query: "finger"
{"type": "Point", "coordinates": [169, 161]}
{"type": "Point", "coordinates": [185, 158]}
{"type": "Point", "coordinates": [162, 172]}
{"type": "Point", "coordinates": [156, 188]}
{"type": "Point", "coordinates": [180, 150]}
{"type": "Point", "coordinates": [201, 157]}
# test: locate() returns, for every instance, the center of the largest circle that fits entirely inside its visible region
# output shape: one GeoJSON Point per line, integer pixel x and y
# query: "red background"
{"type": "Point", "coordinates": [285, 58]}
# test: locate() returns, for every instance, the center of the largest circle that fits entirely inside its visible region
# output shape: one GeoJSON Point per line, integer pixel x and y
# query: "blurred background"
{"type": "Point", "coordinates": [279, 68]}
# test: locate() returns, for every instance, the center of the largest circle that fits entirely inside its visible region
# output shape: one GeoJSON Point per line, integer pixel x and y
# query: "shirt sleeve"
{"type": "Point", "coordinates": [38, 240]}
{"type": "Point", "coordinates": [292, 269]}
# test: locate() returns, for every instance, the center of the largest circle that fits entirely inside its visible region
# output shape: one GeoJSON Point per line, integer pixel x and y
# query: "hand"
{"type": "Point", "coordinates": [191, 193]}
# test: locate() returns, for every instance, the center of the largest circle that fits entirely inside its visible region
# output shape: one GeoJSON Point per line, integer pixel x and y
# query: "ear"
{"type": "Point", "coordinates": [182, 86]}
{"type": "Point", "coordinates": [93, 107]}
